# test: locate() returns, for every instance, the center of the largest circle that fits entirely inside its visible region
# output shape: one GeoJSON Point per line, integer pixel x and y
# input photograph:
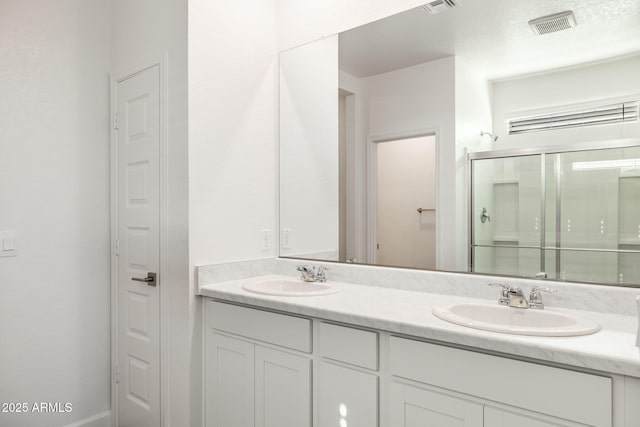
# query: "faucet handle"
{"type": "Point", "coordinates": [504, 293]}
{"type": "Point", "coordinates": [535, 297]}
{"type": "Point", "coordinates": [320, 275]}
{"type": "Point", "coordinates": [538, 289]}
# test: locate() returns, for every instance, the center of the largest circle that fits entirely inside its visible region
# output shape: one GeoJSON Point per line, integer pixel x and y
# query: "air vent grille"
{"type": "Point", "coordinates": [437, 6]}
{"type": "Point", "coordinates": [613, 113]}
{"type": "Point", "coordinates": [552, 23]}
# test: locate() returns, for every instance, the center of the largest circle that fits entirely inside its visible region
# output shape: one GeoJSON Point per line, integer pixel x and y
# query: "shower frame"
{"type": "Point", "coordinates": [542, 152]}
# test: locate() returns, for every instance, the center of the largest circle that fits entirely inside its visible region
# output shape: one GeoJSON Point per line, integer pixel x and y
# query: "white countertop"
{"type": "Point", "coordinates": [612, 349]}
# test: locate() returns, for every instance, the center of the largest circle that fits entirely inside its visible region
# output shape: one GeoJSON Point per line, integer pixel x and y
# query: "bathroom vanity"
{"type": "Point", "coordinates": [370, 356]}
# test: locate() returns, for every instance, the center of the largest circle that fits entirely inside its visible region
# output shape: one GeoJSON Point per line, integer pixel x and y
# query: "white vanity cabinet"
{"type": "Point", "coordinates": [483, 390]}
{"type": "Point", "coordinates": [267, 369]}
{"type": "Point", "coordinates": [411, 406]}
{"type": "Point", "coordinates": [250, 384]}
{"type": "Point", "coordinates": [347, 379]}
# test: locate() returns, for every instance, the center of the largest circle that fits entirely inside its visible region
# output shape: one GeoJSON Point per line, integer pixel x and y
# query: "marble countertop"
{"type": "Point", "coordinates": [612, 349]}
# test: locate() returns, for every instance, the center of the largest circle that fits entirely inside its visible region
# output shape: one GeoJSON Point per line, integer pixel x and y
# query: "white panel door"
{"type": "Point", "coordinates": [138, 131]}
{"type": "Point", "coordinates": [282, 389]}
{"type": "Point", "coordinates": [494, 417]}
{"type": "Point", "coordinates": [415, 407]}
{"type": "Point", "coordinates": [229, 377]}
{"type": "Point", "coordinates": [406, 182]}
{"type": "Point", "coordinates": [346, 397]}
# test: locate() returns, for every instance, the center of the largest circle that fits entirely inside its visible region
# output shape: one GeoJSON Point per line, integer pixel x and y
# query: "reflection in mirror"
{"type": "Point", "coordinates": [571, 214]}
{"type": "Point", "coordinates": [352, 105]}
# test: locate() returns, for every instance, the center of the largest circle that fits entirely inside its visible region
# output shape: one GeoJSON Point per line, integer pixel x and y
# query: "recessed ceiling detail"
{"type": "Point", "coordinates": [552, 23]}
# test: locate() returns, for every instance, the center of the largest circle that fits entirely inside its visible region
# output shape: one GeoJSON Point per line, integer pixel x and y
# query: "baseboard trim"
{"type": "Point", "coordinates": [103, 419]}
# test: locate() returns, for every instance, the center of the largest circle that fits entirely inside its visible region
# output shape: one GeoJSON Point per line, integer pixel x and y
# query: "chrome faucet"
{"type": "Point", "coordinates": [512, 296]}
{"type": "Point", "coordinates": [535, 297]}
{"type": "Point", "coordinates": [309, 274]}
{"type": "Point", "coordinates": [321, 275]}
{"type": "Point", "coordinates": [504, 293]}
{"type": "Point", "coordinates": [517, 299]}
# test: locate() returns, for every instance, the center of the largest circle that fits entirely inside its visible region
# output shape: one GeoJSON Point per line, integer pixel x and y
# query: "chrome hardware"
{"type": "Point", "coordinates": [149, 280]}
{"type": "Point", "coordinates": [535, 297]}
{"type": "Point", "coordinates": [420, 210]}
{"type": "Point", "coordinates": [321, 275]}
{"type": "Point", "coordinates": [484, 216]}
{"type": "Point", "coordinates": [309, 274]}
{"type": "Point", "coordinates": [542, 275]}
{"type": "Point", "coordinates": [504, 293]}
{"type": "Point", "coordinates": [352, 260]}
{"type": "Point", "coordinates": [512, 296]}
{"type": "Point", "coordinates": [517, 299]}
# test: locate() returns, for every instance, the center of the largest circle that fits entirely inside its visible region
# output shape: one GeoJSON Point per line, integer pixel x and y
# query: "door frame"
{"type": "Point", "coordinates": [372, 185]}
{"type": "Point", "coordinates": [116, 77]}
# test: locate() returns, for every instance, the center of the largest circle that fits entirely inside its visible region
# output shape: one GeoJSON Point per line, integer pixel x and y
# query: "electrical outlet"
{"type": "Point", "coordinates": [286, 236]}
{"type": "Point", "coordinates": [266, 239]}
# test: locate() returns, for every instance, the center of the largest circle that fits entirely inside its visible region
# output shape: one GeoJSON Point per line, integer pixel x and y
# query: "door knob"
{"type": "Point", "coordinates": [149, 280]}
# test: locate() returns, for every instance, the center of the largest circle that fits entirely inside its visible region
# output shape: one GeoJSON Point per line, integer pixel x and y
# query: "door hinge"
{"type": "Point", "coordinates": [116, 247]}
{"type": "Point", "coordinates": [115, 121]}
{"type": "Point", "coordinates": [116, 374]}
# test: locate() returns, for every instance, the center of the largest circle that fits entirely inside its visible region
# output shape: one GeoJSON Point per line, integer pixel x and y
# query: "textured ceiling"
{"type": "Point", "coordinates": [494, 37]}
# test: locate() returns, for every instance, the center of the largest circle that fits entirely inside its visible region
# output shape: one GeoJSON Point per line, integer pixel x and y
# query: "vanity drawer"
{"type": "Point", "coordinates": [349, 345]}
{"type": "Point", "coordinates": [279, 329]}
{"type": "Point", "coordinates": [561, 393]}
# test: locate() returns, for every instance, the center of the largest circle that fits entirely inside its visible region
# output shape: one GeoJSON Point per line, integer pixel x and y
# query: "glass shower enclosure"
{"type": "Point", "coordinates": [565, 213]}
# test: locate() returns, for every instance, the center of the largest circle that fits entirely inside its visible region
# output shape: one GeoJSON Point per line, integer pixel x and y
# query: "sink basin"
{"type": "Point", "coordinates": [291, 288]}
{"type": "Point", "coordinates": [499, 318]}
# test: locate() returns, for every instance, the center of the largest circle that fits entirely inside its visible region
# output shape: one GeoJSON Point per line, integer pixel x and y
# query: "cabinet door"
{"type": "Point", "coordinates": [346, 394]}
{"type": "Point", "coordinates": [229, 382]}
{"type": "Point", "coordinates": [494, 417]}
{"type": "Point", "coordinates": [282, 389]}
{"type": "Point", "coordinates": [416, 407]}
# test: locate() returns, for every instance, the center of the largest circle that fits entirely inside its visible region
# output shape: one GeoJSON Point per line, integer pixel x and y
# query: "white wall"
{"type": "Point", "coordinates": [233, 99]}
{"type": "Point", "coordinates": [232, 154]}
{"type": "Point", "coordinates": [412, 100]}
{"type": "Point", "coordinates": [54, 192]}
{"type": "Point", "coordinates": [592, 82]}
{"type": "Point", "coordinates": [473, 114]}
{"type": "Point", "coordinates": [144, 30]}
{"type": "Point", "coordinates": [309, 196]}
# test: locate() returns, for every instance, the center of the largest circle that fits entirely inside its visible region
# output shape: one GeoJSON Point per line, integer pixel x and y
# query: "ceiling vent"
{"type": "Point", "coordinates": [552, 23]}
{"type": "Point", "coordinates": [601, 115]}
{"type": "Point", "coordinates": [437, 6]}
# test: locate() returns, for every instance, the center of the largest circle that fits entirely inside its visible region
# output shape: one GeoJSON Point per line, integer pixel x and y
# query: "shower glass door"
{"type": "Point", "coordinates": [507, 210]}
{"type": "Point", "coordinates": [597, 215]}
{"type": "Point", "coordinates": [566, 215]}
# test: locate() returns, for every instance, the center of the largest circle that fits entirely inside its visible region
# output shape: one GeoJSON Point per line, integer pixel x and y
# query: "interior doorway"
{"type": "Point", "coordinates": [137, 221]}
{"type": "Point", "coordinates": [406, 202]}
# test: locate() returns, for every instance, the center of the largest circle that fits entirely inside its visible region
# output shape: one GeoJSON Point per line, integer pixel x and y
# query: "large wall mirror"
{"type": "Point", "coordinates": [467, 136]}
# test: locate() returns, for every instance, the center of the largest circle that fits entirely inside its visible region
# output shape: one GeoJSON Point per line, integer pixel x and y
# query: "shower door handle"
{"type": "Point", "coordinates": [149, 280]}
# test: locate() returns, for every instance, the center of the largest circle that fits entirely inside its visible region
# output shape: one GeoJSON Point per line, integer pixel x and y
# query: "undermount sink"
{"type": "Point", "coordinates": [291, 288]}
{"type": "Point", "coordinates": [499, 318]}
